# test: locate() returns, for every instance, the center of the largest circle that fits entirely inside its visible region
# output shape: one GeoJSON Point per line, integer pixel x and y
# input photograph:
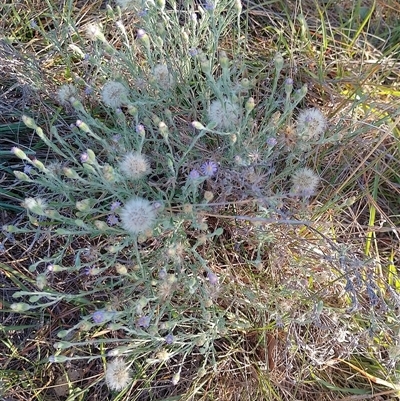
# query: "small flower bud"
{"type": "Point", "coordinates": [300, 93]}
{"type": "Point", "coordinates": [20, 307]}
{"type": "Point", "coordinates": [76, 104]}
{"type": "Point", "coordinates": [58, 358]}
{"type": "Point", "coordinates": [198, 125]}
{"type": "Point", "coordinates": [80, 223]}
{"type": "Point", "coordinates": [278, 61]}
{"type": "Point", "coordinates": [19, 153]}
{"type": "Point", "coordinates": [250, 104]}
{"type": "Point", "coordinates": [55, 268]}
{"type": "Point", "coordinates": [288, 86]}
{"type": "Point", "coordinates": [85, 205]}
{"type": "Point", "coordinates": [39, 165]}
{"type": "Point", "coordinates": [187, 208]}
{"type": "Point", "coordinates": [70, 173]}
{"type": "Point", "coordinates": [164, 131]}
{"type": "Point", "coordinates": [108, 172]}
{"type": "Point", "coordinates": [208, 196]}
{"type": "Point", "coordinates": [83, 126]}
{"type": "Point", "coordinates": [121, 269]}
{"type": "Point", "coordinates": [132, 110]}
{"type": "Point", "coordinates": [175, 379]}
{"type": "Point", "coordinates": [238, 6]}
{"type": "Point", "coordinates": [41, 281]}
{"type": "Point", "coordinates": [185, 37]}
{"type": "Point", "coordinates": [22, 176]}
{"type": "Point", "coordinates": [101, 225]}
{"type": "Point", "coordinates": [204, 64]}
{"type": "Point", "coordinates": [62, 345]}
{"type": "Point", "coordinates": [160, 4]}
{"type": "Point", "coordinates": [144, 38]}
{"type": "Point", "coordinates": [91, 156]}
{"type": "Point", "coordinates": [29, 122]}
{"type": "Point", "coordinates": [223, 60]}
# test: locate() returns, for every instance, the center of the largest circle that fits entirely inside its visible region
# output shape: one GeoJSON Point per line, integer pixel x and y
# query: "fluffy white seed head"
{"type": "Point", "coordinates": [114, 94]}
{"type": "Point", "coordinates": [118, 375]}
{"type": "Point", "coordinates": [135, 166]}
{"type": "Point", "coordinates": [224, 115]}
{"type": "Point", "coordinates": [65, 92]}
{"type": "Point", "coordinates": [137, 216]}
{"type": "Point", "coordinates": [304, 182]}
{"type": "Point", "coordinates": [163, 77]}
{"type": "Point", "coordinates": [311, 123]}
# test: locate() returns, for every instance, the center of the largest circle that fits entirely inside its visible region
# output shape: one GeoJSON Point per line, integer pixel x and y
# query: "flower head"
{"type": "Point", "coordinates": [209, 168]}
{"type": "Point", "coordinates": [311, 123]}
{"type": "Point", "coordinates": [65, 92]}
{"type": "Point", "coordinates": [112, 220]}
{"type": "Point", "coordinates": [194, 174]}
{"type": "Point", "coordinates": [212, 278]}
{"type": "Point", "coordinates": [98, 316]}
{"type": "Point", "coordinates": [137, 215]}
{"type": "Point", "coordinates": [134, 165]}
{"type": "Point", "coordinates": [224, 115]}
{"type": "Point", "coordinates": [163, 77]}
{"type": "Point", "coordinates": [114, 94]}
{"type": "Point", "coordinates": [118, 375]}
{"type": "Point", "coordinates": [169, 339]}
{"type": "Point", "coordinates": [84, 157]}
{"type": "Point", "coordinates": [144, 322]}
{"type": "Point", "coordinates": [304, 182]}
{"type": "Point", "coordinates": [115, 205]}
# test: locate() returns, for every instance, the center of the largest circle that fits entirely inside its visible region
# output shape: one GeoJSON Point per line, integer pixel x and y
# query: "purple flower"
{"type": "Point", "coordinates": [84, 157]}
{"type": "Point", "coordinates": [88, 91]}
{"type": "Point", "coordinates": [144, 322]}
{"type": "Point", "coordinates": [193, 52]}
{"type": "Point", "coordinates": [209, 6]}
{"type": "Point", "coordinates": [194, 174]}
{"type": "Point", "coordinates": [209, 168]}
{"type": "Point", "coordinates": [212, 278]}
{"type": "Point", "coordinates": [169, 339]}
{"type": "Point", "coordinates": [162, 274]}
{"type": "Point", "coordinates": [141, 33]}
{"type": "Point", "coordinates": [142, 13]}
{"type": "Point", "coordinates": [98, 316]}
{"type": "Point", "coordinates": [112, 220]}
{"type": "Point", "coordinates": [115, 205]}
{"type": "Point", "coordinates": [116, 138]}
{"type": "Point", "coordinates": [139, 129]}
{"type": "Point", "coordinates": [27, 169]}
{"type": "Point", "coordinates": [271, 142]}
{"type": "Point", "coordinates": [90, 271]}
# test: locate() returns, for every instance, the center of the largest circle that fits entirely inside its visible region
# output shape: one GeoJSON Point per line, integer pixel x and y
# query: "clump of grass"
{"type": "Point", "coordinates": [176, 233]}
